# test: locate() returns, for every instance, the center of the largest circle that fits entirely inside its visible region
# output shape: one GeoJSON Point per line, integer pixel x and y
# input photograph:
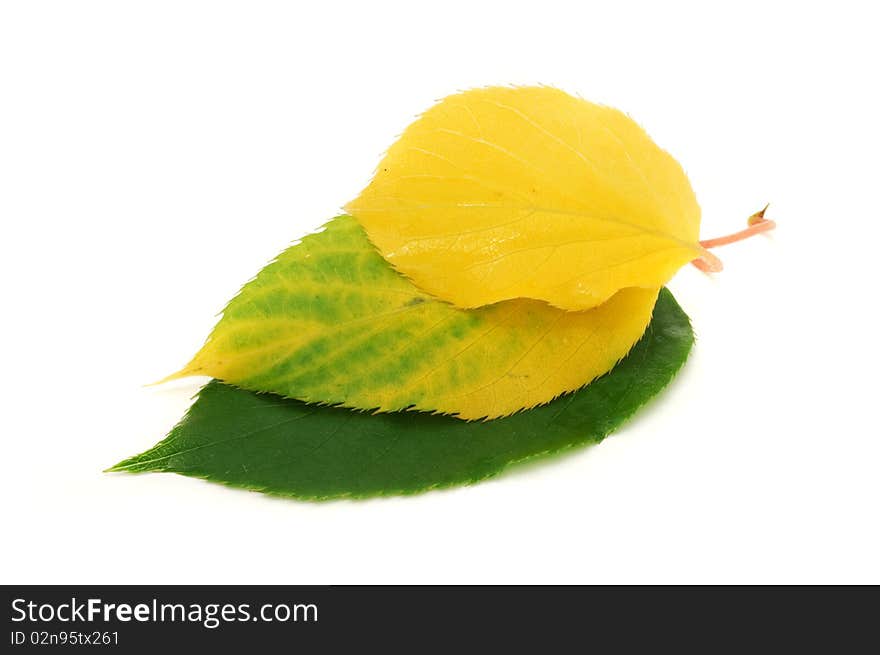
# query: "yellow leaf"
{"type": "Point", "coordinates": [330, 322]}
{"type": "Point", "coordinates": [503, 193]}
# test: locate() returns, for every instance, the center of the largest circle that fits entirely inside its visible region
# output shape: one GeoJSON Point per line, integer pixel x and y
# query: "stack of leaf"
{"type": "Point", "coordinates": [494, 294]}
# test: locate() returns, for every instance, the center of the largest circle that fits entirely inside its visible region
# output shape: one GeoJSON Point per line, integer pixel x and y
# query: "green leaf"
{"type": "Point", "coordinates": [286, 447]}
{"type": "Point", "coordinates": [329, 321]}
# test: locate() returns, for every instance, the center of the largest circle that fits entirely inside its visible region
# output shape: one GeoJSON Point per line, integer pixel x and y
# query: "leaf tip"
{"type": "Point", "coordinates": [185, 372]}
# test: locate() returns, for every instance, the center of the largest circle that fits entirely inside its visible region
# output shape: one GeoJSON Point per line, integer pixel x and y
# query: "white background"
{"type": "Point", "coordinates": [154, 155]}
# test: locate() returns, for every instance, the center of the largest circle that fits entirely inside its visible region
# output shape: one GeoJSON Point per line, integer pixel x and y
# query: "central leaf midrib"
{"type": "Point", "coordinates": [528, 208]}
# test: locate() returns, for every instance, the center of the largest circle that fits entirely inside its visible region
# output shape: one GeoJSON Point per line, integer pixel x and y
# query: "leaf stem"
{"type": "Point", "coordinates": [709, 263]}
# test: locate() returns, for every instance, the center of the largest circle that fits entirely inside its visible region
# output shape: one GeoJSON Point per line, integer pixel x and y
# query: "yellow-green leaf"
{"type": "Point", "coordinates": [271, 444]}
{"type": "Point", "coordinates": [330, 322]}
{"type": "Point", "coordinates": [503, 193]}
